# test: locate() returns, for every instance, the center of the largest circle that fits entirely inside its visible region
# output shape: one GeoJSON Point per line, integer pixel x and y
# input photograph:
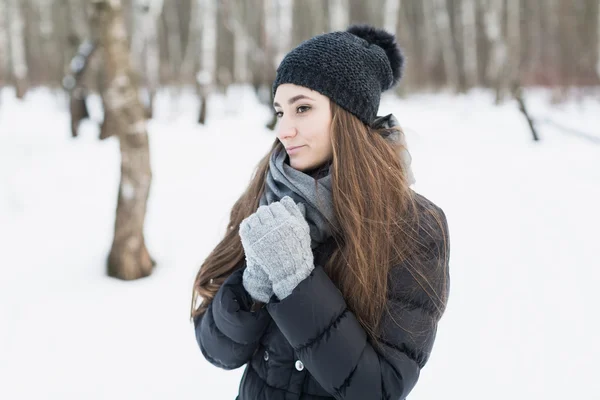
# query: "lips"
{"type": "Point", "coordinates": [292, 148]}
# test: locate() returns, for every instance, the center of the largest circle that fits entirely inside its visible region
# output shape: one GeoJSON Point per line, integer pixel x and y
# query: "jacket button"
{"type": "Point", "coordinates": [266, 356]}
{"type": "Point", "coordinates": [299, 365]}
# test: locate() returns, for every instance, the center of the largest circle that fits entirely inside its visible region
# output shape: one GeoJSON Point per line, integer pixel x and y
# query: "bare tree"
{"type": "Point", "coordinates": [499, 52]}
{"type": "Point", "coordinates": [3, 43]}
{"type": "Point", "coordinates": [338, 14]}
{"type": "Point", "coordinates": [129, 259]}
{"type": "Point", "coordinates": [598, 41]}
{"type": "Point", "coordinates": [406, 36]}
{"type": "Point", "coordinates": [444, 33]}
{"type": "Point", "coordinates": [225, 50]}
{"type": "Point", "coordinates": [285, 25]}
{"type": "Point", "coordinates": [205, 76]}
{"type": "Point", "coordinates": [262, 71]}
{"type": "Point", "coordinates": [77, 18]}
{"type": "Point", "coordinates": [391, 12]}
{"type": "Point", "coordinates": [189, 63]}
{"type": "Point", "coordinates": [309, 20]}
{"type": "Point", "coordinates": [144, 45]}
{"type": "Point", "coordinates": [270, 40]}
{"type": "Point", "coordinates": [49, 46]}
{"type": "Point", "coordinates": [241, 19]}
{"type": "Point", "coordinates": [530, 31]}
{"type": "Point", "coordinates": [234, 19]}
{"type": "Point", "coordinates": [359, 12]}
{"type": "Point", "coordinates": [174, 42]}
{"type": "Point", "coordinates": [469, 42]}
{"type": "Point", "coordinates": [72, 83]}
{"type": "Point", "coordinates": [426, 40]}
{"type": "Point", "coordinates": [366, 12]}
{"type": "Point", "coordinates": [513, 29]}
{"type": "Point", "coordinates": [456, 27]}
{"type": "Point", "coordinates": [17, 47]}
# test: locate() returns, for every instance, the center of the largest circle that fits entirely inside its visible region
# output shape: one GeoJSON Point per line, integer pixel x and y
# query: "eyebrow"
{"type": "Point", "coordinates": [293, 100]}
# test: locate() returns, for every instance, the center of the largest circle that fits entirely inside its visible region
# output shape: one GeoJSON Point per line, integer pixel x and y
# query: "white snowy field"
{"type": "Point", "coordinates": [522, 321]}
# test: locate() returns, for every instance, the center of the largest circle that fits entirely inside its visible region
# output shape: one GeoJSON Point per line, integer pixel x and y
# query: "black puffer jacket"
{"type": "Point", "coordinates": [310, 346]}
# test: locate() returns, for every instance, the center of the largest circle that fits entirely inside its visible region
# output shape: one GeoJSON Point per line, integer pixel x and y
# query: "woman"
{"type": "Point", "coordinates": [333, 273]}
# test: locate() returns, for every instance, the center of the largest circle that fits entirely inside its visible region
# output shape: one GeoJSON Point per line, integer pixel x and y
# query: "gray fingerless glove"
{"type": "Point", "coordinates": [257, 282]}
{"type": "Point", "coordinates": [277, 238]}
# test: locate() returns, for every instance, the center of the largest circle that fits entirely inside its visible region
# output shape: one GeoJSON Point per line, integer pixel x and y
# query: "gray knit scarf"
{"type": "Point", "coordinates": [314, 190]}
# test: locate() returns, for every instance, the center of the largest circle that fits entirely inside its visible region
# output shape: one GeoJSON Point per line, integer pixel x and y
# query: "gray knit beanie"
{"type": "Point", "coordinates": [352, 68]}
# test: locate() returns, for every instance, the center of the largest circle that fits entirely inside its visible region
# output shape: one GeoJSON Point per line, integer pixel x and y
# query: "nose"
{"type": "Point", "coordinates": [285, 129]}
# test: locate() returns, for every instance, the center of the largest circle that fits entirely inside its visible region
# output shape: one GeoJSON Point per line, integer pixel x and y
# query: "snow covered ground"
{"type": "Point", "coordinates": [522, 321]}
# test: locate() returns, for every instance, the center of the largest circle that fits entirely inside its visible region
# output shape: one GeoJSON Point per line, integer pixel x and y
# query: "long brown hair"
{"type": "Point", "coordinates": [378, 218]}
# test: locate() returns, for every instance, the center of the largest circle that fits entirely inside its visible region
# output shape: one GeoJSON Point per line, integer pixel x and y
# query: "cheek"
{"type": "Point", "coordinates": [321, 128]}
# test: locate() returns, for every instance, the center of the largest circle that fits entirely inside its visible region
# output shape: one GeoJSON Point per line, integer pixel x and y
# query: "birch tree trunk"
{"type": "Point", "coordinates": [302, 26]}
{"type": "Point", "coordinates": [72, 83]}
{"type": "Point", "coordinates": [407, 35]}
{"type": "Point", "coordinates": [514, 42]}
{"type": "Point", "coordinates": [338, 15]}
{"type": "Point", "coordinates": [152, 54]}
{"type": "Point", "coordinates": [241, 45]}
{"type": "Point", "coordinates": [225, 51]}
{"type": "Point", "coordinates": [390, 15]}
{"type": "Point", "coordinates": [598, 45]}
{"type": "Point", "coordinates": [129, 258]}
{"type": "Point", "coordinates": [270, 34]}
{"type": "Point", "coordinates": [50, 49]}
{"type": "Point", "coordinates": [433, 46]}
{"type": "Point", "coordinates": [78, 18]}
{"type": "Point", "coordinates": [79, 49]}
{"type": "Point", "coordinates": [370, 12]}
{"type": "Point", "coordinates": [205, 76]}
{"type": "Point", "coordinates": [456, 27]}
{"type": "Point", "coordinates": [469, 42]}
{"type": "Point", "coordinates": [358, 12]}
{"type": "Point", "coordinates": [17, 47]}
{"type": "Point", "coordinates": [144, 45]}
{"type": "Point", "coordinates": [173, 38]}
{"type": "Point", "coordinates": [285, 23]}
{"type": "Point", "coordinates": [499, 53]}
{"type": "Point", "coordinates": [3, 44]}
{"type": "Point", "coordinates": [239, 19]}
{"type": "Point", "coordinates": [258, 55]}
{"type": "Point", "coordinates": [442, 22]}
{"type": "Point", "coordinates": [189, 64]}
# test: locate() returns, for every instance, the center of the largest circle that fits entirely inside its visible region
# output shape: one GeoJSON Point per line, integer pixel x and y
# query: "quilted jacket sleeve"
{"type": "Point", "coordinates": [228, 333]}
{"type": "Point", "coordinates": [333, 345]}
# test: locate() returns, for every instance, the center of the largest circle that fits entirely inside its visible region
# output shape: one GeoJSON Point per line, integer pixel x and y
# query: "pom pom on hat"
{"type": "Point", "coordinates": [386, 41]}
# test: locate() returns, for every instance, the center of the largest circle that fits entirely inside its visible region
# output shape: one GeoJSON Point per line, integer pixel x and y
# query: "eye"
{"type": "Point", "coordinates": [278, 114]}
{"type": "Point", "coordinates": [302, 109]}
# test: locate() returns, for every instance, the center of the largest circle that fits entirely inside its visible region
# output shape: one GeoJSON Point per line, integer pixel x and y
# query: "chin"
{"type": "Point", "coordinates": [303, 165]}
{"type": "Point", "coordinates": [300, 165]}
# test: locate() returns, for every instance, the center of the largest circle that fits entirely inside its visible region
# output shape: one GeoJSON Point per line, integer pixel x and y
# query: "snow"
{"type": "Point", "coordinates": [522, 321]}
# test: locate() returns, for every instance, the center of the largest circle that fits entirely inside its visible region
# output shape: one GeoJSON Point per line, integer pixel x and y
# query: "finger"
{"type": "Point", "coordinates": [244, 227]}
{"type": "Point", "coordinates": [292, 207]}
{"type": "Point", "coordinates": [264, 215]}
{"type": "Point", "coordinates": [278, 210]}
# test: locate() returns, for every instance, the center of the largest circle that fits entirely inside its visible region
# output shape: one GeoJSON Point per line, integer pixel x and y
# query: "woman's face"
{"type": "Point", "coordinates": [304, 125]}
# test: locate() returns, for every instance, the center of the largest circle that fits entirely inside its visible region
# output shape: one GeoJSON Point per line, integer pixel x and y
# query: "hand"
{"type": "Point", "coordinates": [277, 239]}
{"type": "Point", "coordinates": [257, 282]}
